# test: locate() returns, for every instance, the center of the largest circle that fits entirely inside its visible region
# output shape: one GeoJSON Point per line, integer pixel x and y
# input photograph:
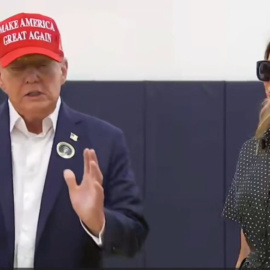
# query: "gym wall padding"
{"type": "Point", "coordinates": [184, 174]}
{"type": "Point", "coordinates": [184, 140]}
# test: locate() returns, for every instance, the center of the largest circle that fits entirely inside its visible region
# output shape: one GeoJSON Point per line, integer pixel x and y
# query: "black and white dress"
{"type": "Point", "coordinates": [248, 200]}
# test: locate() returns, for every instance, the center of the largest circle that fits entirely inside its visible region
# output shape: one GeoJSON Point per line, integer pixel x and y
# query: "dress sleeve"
{"type": "Point", "coordinates": [230, 209]}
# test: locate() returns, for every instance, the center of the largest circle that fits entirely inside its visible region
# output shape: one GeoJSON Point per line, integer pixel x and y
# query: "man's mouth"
{"type": "Point", "coordinates": [33, 94]}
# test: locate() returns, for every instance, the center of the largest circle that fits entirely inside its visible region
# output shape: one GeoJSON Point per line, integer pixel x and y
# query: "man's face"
{"type": "Point", "coordinates": [33, 84]}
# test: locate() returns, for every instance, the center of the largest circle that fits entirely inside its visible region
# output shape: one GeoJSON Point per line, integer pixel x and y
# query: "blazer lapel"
{"type": "Point", "coordinates": [67, 123]}
{"type": "Point", "coordinates": [6, 178]}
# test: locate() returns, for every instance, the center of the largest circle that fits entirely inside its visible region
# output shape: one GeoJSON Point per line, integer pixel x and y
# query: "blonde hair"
{"type": "Point", "coordinates": [264, 119]}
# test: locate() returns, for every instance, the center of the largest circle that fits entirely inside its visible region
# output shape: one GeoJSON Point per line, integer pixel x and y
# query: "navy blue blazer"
{"type": "Point", "coordinates": [61, 240]}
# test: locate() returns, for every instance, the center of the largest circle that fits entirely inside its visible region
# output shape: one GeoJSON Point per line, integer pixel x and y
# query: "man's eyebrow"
{"type": "Point", "coordinates": [31, 61]}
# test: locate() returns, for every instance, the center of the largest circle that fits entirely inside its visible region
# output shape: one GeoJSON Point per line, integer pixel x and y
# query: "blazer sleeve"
{"type": "Point", "coordinates": [126, 228]}
{"type": "Point", "coordinates": [231, 206]}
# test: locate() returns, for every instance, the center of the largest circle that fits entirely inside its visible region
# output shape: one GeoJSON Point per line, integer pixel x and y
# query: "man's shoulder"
{"type": "Point", "coordinates": [95, 123]}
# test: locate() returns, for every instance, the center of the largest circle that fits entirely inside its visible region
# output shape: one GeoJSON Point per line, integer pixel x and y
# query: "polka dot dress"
{"type": "Point", "coordinates": [248, 200]}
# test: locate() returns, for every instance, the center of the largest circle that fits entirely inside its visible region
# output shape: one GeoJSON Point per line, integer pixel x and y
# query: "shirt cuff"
{"type": "Point", "coordinates": [98, 240]}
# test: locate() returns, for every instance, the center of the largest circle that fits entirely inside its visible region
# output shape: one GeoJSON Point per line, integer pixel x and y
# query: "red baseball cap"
{"type": "Point", "coordinates": [28, 33]}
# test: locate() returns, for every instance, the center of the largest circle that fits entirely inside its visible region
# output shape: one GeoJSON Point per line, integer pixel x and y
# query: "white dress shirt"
{"type": "Point", "coordinates": [30, 159]}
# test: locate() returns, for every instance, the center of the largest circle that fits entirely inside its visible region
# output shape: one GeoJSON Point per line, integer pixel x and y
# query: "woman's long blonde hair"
{"type": "Point", "coordinates": [264, 116]}
{"type": "Point", "coordinates": [264, 119]}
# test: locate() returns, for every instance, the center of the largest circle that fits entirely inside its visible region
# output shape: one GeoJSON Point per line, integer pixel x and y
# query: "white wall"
{"type": "Point", "coordinates": [157, 39]}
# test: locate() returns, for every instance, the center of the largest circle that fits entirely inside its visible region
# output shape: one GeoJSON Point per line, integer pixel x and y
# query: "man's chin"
{"type": "Point", "coordinates": [38, 110]}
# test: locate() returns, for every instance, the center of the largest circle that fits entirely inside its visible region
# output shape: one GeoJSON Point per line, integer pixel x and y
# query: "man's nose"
{"type": "Point", "coordinates": [31, 75]}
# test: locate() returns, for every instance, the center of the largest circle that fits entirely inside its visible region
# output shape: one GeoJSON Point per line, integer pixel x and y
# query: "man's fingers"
{"type": "Point", "coordinates": [70, 179]}
{"type": "Point", "coordinates": [94, 166]}
{"type": "Point", "coordinates": [86, 158]}
{"type": "Point", "coordinates": [96, 174]}
{"type": "Point", "coordinates": [93, 155]}
{"type": "Point", "coordinates": [91, 169]}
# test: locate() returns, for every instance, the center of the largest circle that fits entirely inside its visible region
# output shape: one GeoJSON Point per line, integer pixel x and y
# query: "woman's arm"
{"type": "Point", "coordinates": [244, 250]}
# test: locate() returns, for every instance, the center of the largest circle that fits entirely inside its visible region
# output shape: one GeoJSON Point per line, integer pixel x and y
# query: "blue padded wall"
{"type": "Point", "coordinates": [184, 174]}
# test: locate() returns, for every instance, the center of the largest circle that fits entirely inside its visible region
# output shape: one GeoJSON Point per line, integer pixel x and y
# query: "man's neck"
{"type": "Point", "coordinates": [34, 126]}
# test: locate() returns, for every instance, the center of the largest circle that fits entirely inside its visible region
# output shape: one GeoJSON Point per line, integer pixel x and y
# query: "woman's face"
{"type": "Point", "coordinates": [267, 84]}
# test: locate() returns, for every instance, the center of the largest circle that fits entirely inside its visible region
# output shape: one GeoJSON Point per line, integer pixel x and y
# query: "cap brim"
{"type": "Point", "coordinates": [12, 56]}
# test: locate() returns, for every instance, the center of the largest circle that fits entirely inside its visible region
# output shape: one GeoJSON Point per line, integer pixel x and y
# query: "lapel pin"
{"type": "Point", "coordinates": [65, 150]}
{"type": "Point", "coordinates": [73, 137]}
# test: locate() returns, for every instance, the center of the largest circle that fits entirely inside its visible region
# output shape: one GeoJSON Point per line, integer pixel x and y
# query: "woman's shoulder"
{"type": "Point", "coordinates": [250, 147]}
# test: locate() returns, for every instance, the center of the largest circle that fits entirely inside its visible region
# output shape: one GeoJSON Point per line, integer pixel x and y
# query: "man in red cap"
{"type": "Point", "coordinates": [68, 192]}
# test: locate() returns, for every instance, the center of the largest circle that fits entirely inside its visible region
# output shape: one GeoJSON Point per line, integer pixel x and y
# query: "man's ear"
{"type": "Point", "coordinates": [64, 70]}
